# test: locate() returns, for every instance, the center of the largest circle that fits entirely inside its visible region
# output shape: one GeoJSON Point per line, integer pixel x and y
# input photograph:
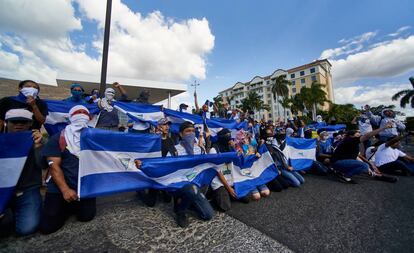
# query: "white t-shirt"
{"type": "Point", "coordinates": [369, 152]}
{"type": "Point", "coordinates": [226, 170]}
{"type": "Point", "coordinates": [364, 126]}
{"type": "Point", "coordinates": [386, 155]}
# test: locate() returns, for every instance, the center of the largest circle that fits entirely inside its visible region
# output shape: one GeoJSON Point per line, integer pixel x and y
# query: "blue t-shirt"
{"type": "Point", "coordinates": [325, 147]}
{"type": "Point", "coordinates": [69, 164]}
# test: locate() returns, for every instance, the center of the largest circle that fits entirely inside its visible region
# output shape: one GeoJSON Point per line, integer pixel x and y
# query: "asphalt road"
{"type": "Point", "coordinates": [328, 216]}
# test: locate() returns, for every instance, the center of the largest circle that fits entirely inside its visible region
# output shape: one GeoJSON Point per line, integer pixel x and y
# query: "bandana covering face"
{"type": "Point", "coordinates": [73, 130]}
{"type": "Point", "coordinates": [106, 101]}
{"type": "Point", "coordinates": [188, 143]}
{"type": "Point", "coordinates": [30, 91]}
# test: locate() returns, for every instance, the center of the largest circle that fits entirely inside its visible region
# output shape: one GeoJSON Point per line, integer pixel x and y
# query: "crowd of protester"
{"type": "Point", "coordinates": [373, 149]}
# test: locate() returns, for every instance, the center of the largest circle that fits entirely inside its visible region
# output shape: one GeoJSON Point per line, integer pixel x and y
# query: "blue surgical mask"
{"type": "Point", "coordinates": [77, 93]}
{"type": "Point", "coordinates": [188, 143]}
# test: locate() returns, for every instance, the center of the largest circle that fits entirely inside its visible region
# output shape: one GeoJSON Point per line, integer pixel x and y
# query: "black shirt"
{"type": "Point", "coordinates": [32, 171]}
{"type": "Point", "coordinates": [347, 149]}
{"type": "Point", "coordinates": [8, 103]}
{"type": "Point", "coordinates": [167, 146]}
{"type": "Point", "coordinates": [69, 164]}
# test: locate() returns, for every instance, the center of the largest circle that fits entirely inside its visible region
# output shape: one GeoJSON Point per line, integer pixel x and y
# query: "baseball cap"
{"type": "Point", "coordinates": [163, 121]}
{"type": "Point", "coordinates": [18, 114]}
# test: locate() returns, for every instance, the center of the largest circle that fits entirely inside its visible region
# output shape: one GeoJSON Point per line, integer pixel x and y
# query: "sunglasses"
{"type": "Point", "coordinates": [23, 122]}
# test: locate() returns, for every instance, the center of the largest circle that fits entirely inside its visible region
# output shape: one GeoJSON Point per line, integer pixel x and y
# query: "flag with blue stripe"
{"type": "Point", "coordinates": [171, 173]}
{"type": "Point", "coordinates": [251, 171]}
{"type": "Point", "coordinates": [58, 117]}
{"type": "Point", "coordinates": [106, 162]}
{"type": "Point", "coordinates": [300, 152]}
{"type": "Point", "coordinates": [14, 149]}
{"type": "Point", "coordinates": [140, 112]}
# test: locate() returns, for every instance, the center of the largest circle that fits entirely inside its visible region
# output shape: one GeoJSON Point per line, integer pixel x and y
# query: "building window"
{"type": "Point", "coordinates": [302, 81]}
{"type": "Point", "coordinates": [292, 75]}
{"type": "Point", "coordinates": [302, 73]}
{"type": "Point", "coordinates": [267, 82]}
{"type": "Point", "coordinates": [269, 95]}
{"type": "Point", "coordinates": [268, 88]}
{"type": "Point", "coordinates": [293, 82]}
{"type": "Point", "coordinates": [313, 78]}
{"type": "Point", "coordinates": [270, 115]}
{"type": "Point", "coordinates": [294, 90]}
{"type": "Point", "coordinates": [269, 102]}
{"type": "Point", "coordinates": [312, 70]}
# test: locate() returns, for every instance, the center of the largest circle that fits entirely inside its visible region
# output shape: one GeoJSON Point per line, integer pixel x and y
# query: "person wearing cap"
{"type": "Point", "coordinates": [183, 108]}
{"type": "Point", "coordinates": [149, 196]}
{"type": "Point", "coordinates": [23, 212]}
{"type": "Point", "coordinates": [387, 116]}
{"type": "Point", "coordinates": [77, 92]}
{"type": "Point", "coordinates": [109, 116]}
{"type": "Point", "coordinates": [28, 98]}
{"type": "Point", "coordinates": [62, 153]}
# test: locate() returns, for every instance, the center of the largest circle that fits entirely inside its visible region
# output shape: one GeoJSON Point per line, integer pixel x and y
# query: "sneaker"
{"type": "Point", "coordinates": [345, 179]}
{"type": "Point", "coordinates": [389, 179]}
{"type": "Point", "coordinates": [182, 220]}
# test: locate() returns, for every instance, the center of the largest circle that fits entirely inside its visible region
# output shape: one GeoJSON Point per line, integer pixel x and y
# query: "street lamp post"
{"type": "Point", "coordinates": [104, 68]}
{"type": "Point", "coordinates": [195, 84]}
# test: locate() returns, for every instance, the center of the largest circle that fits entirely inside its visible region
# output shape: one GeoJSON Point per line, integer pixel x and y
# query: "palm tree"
{"type": "Point", "coordinates": [280, 88]}
{"type": "Point", "coordinates": [253, 102]}
{"type": "Point", "coordinates": [296, 104]}
{"type": "Point", "coordinates": [285, 102]}
{"type": "Point", "coordinates": [407, 96]}
{"type": "Point", "coordinates": [313, 96]}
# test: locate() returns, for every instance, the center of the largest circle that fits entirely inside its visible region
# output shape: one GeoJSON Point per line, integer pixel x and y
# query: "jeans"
{"type": "Point", "coordinates": [399, 165]}
{"type": "Point", "coordinates": [319, 168]}
{"type": "Point", "coordinates": [24, 212]}
{"type": "Point", "coordinates": [56, 210]}
{"type": "Point", "coordinates": [294, 178]}
{"type": "Point", "coordinates": [190, 195]}
{"type": "Point", "coordinates": [350, 167]}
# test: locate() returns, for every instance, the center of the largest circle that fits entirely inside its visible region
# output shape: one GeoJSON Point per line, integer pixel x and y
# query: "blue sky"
{"type": "Point", "coordinates": [248, 38]}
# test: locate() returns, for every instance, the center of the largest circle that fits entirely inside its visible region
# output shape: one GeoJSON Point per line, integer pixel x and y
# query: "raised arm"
{"type": "Point", "coordinates": [367, 136]}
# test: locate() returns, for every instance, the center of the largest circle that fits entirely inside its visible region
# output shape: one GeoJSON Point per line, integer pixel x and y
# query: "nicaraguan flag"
{"type": "Point", "coordinates": [107, 161]}
{"type": "Point", "coordinates": [14, 149]}
{"type": "Point", "coordinates": [58, 117]}
{"type": "Point", "coordinates": [171, 173]}
{"type": "Point", "coordinates": [141, 112]}
{"type": "Point", "coordinates": [250, 171]}
{"type": "Point", "coordinates": [300, 152]}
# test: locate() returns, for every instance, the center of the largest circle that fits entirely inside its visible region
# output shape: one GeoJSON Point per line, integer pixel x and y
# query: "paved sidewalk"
{"type": "Point", "coordinates": [128, 226]}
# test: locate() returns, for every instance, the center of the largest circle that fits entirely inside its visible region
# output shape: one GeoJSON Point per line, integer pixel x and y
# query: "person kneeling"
{"type": "Point", "coordinates": [62, 153]}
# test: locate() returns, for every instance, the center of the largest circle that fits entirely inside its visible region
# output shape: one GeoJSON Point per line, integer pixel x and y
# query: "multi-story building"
{"type": "Point", "coordinates": [301, 76]}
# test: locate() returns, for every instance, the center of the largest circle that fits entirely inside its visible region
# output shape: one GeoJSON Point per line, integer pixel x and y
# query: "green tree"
{"type": "Point", "coordinates": [407, 96]}
{"type": "Point", "coordinates": [280, 88]}
{"type": "Point", "coordinates": [313, 96]}
{"type": "Point", "coordinates": [253, 102]}
{"type": "Point", "coordinates": [218, 101]}
{"type": "Point", "coordinates": [343, 113]}
{"type": "Point", "coordinates": [378, 109]}
{"type": "Point", "coordinates": [285, 102]}
{"type": "Point", "coordinates": [296, 104]}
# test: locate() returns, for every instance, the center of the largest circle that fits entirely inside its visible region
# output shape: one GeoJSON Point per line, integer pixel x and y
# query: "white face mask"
{"type": "Point", "coordinates": [29, 91]}
{"type": "Point", "coordinates": [109, 96]}
{"type": "Point", "coordinates": [79, 120]}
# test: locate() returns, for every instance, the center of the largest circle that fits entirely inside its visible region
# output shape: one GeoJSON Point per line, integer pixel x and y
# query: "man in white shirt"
{"type": "Point", "coordinates": [389, 159]}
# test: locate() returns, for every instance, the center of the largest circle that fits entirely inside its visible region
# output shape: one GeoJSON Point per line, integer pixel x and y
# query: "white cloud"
{"type": "Point", "coordinates": [40, 18]}
{"type": "Point", "coordinates": [385, 60]}
{"type": "Point", "coordinates": [352, 45]}
{"type": "Point", "coordinates": [360, 95]}
{"type": "Point", "coordinates": [144, 47]}
{"type": "Point", "coordinates": [399, 31]}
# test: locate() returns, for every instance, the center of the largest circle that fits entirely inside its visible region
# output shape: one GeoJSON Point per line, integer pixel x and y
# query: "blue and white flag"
{"type": "Point", "coordinates": [107, 161]}
{"type": "Point", "coordinates": [171, 173]}
{"type": "Point", "coordinates": [14, 149]}
{"type": "Point", "coordinates": [300, 152]}
{"type": "Point", "coordinates": [58, 117]}
{"type": "Point", "coordinates": [140, 112]}
{"type": "Point", "coordinates": [251, 171]}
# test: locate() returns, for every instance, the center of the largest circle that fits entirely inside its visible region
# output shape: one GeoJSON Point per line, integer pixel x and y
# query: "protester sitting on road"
{"type": "Point", "coordinates": [109, 115]}
{"type": "Point", "coordinates": [77, 93]}
{"type": "Point", "coordinates": [62, 152]}
{"type": "Point", "coordinates": [149, 196]}
{"type": "Point", "coordinates": [23, 212]}
{"type": "Point", "coordinates": [28, 98]}
{"type": "Point", "coordinates": [324, 148]}
{"type": "Point", "coordinates": [344, 157]}
{"type": "Point", "coordinates": [387, 116]}
{"type": "Point", "coordinates": [389, 159]}
{"type": "Point", "coordinates": [191, 194]}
